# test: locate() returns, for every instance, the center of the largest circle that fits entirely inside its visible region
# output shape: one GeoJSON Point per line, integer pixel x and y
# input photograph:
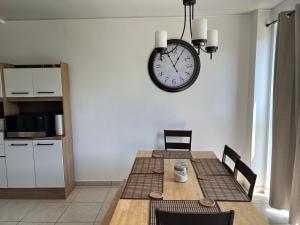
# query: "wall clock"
{"type": "Point", "coordinates": [177, 70]}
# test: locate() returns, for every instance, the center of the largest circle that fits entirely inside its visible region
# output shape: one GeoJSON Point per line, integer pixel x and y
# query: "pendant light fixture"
{"type": "Point", "coordinates": [202, 39]}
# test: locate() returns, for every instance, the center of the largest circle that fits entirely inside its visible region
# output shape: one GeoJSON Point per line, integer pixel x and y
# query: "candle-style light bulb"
{"type": "Point", "coordinates": [199, 27]}
{"type": "Point", "coordinates": [161, 39]}
{"type": "Point", "coordinates": [212, 38]}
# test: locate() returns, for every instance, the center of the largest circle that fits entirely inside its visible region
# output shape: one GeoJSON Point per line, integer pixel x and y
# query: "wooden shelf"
{"type": "Point", "coordinates": [36, 138]}
{"type": "Point", "coordinates": [34, 99]}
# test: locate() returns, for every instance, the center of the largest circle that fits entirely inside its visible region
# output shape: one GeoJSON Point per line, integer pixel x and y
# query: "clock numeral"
{"type": "Point", "coordinates": [187, 58]}
{"type": "Point", "coordinates": [189, 66]}
{"type": "Point", "coordinates": [187, 73]}
{"type": "Point", "coordinates": [161, 74]}
{"type": "Point", "coordinates": [167, 78]}
{"type": "Point", "coordinates": [157, 66]}
{"type": "Point", "coordinates": [182, 80]}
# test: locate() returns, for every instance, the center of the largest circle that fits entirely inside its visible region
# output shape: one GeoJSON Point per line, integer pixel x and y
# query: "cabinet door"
{"type": "Point", "coordinates": [18, 82]}
{"type": "Point", "coordinates": [47, 82]}
{"type": "Point", "coordinates": [20, 164]}
{"type": "Point", "coordinates": [3, 176]}
{"type": "Point", "coordinates": [49, 166]}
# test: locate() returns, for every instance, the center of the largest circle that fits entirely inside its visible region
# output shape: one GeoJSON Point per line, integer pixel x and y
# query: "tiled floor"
{"type": "Point", "coordinates": [86, 206]}
{"type": "Point", "coordinates": [275, 217]}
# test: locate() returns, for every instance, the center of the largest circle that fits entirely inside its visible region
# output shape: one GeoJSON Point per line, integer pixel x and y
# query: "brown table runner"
{"type": "Point", "coordinates": [209, 167]}
{"type": "Point", "coordinates": [139, 186]}
{"type": "Point", "coordinates": [179, 206]}
{"type": "Point", "coordinates": [223, 188]}
{"type": "Point", "coordinates": [171, 154]}
{"type": "Point", "coordinates": [147, 165]}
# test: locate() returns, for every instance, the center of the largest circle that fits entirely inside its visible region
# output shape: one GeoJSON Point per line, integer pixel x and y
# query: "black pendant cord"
{"type": "Point", "coordinates": [190, 18]}
{"type": "Point", "coordinates": [183, 31]}
{"type": "Point", "coordinates": [192, 11]}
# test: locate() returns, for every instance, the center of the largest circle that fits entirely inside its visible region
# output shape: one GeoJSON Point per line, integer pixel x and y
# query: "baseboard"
{"type": "Point", "coordinates": [98, 183]}
{"type": "Point", "coordinates": [32, 193]}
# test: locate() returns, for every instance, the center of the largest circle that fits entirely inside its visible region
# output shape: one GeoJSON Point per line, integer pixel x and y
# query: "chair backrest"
{"type": "Point", "coordinates": [178, 133]}
{"type": "Point", "coordinates": [248, 174]}
{"type": "Point", "coordinates": [173, 218]}
{"type": "Point", "coordinates": [229, 152]}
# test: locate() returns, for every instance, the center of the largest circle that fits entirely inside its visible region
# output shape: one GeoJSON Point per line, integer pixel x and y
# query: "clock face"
{"type": "Point", "coordinates": [177, 70]}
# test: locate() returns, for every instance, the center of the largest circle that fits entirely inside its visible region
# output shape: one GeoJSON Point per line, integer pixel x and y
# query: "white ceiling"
{"type": "Point", "coordinates": [70, 9]}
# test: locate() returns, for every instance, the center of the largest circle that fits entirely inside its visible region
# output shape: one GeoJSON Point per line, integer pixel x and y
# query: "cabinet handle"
{"type": "Point", "coordinates": [20, 93]}
{"type": "Point", "coordinates": [50, 144]}
{"type": "Point", "coordinates": [2, 156]}
{"type": "Point", "coordinates": [45, 92]}
{"type": "Point", "coordinates": [18, 144]}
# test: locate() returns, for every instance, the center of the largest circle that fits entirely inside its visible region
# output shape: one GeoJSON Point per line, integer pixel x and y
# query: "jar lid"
{"type": "Point", "coordinates": [180, 166]}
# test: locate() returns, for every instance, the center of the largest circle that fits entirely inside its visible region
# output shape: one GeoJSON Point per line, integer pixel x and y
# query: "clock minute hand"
{"type": "Point", "coordinates": [179, 57]}
{"type": "Point", "coordinates": [172, 63]}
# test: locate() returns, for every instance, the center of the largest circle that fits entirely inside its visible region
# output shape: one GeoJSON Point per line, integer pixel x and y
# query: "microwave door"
{"type": "Point", "coordinates": [40, 128]}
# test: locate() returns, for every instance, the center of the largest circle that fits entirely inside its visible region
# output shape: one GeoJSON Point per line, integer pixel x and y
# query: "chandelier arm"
{"type": "Point", "coordinates": [183, 31]}
{"type": "Point", "coordinates": [203, 50]}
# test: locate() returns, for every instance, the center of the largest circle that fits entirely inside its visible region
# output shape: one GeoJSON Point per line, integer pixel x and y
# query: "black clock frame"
{"type": "Point", "coordinates": [194, 75]}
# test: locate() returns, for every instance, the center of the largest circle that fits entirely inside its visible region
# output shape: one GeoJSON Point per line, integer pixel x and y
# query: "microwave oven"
{"type": "Point", "coordinates": [30, 125]}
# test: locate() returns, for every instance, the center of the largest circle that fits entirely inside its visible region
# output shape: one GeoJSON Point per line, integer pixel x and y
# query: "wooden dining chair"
{"type": "Point", "coordinates": [229, 152]}
{"type": "Point", "coordinates": [173, 218]}
{"type": "Point", "coordinates": [176, 145]}
{"type": "Point", "coordinates": [248, 174]}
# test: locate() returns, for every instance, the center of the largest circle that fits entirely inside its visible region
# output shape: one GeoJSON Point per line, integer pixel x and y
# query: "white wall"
{"type": "Point", "coordinates": [116, 109]}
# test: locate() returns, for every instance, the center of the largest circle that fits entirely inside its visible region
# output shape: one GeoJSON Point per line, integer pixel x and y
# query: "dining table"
{"type": "Point", "coordinates": [137, 211]}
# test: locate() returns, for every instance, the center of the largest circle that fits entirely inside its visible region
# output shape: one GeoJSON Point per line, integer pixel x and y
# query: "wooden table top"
{"type": "Point", "coordinates": [136, 212]}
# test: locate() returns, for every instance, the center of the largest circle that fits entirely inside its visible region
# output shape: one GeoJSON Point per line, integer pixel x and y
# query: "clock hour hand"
{"type": "Point", "coordinates": [172, 63]}
{"type": "Point", "coordinates": [179, 57]}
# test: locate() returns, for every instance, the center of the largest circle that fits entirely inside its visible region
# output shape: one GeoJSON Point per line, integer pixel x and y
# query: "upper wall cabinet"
{"type": "Point", "coordinates": [18, 82]}
{"type": "Point", "coordinates": [32, 82]}
{"type": "Point", "coordinates": [47, 82]}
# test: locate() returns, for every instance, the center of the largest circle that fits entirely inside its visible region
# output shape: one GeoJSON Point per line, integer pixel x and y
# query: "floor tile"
{"type": "Point", "coordinates": [111, 194]}
{"type": "Point", "coordinates": [15, 210]}
{"type": "Point", "coordinates": [34, 223]}
{"type": "Point", "coordinates": [273, 215]}
{"type": "Point", "coordinates": [102, 212]}
{"type": "Point", "coordinates": [8, 223]}
{"type": "Point", "coordinates": [260, 198]}
{"type": "Point", "coordinates": [81, 212]}
{"type": "Point", "coordinates": [93, 195]}
{"type": "Point", "coordinates": [46, 212]}
{"type": "Point", "coordinates": [3, 202]}
{"type": "Point", "coordinates": [75, 224]}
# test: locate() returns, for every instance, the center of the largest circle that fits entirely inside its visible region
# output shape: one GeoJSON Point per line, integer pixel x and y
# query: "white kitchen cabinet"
{"type": "Point", "coordinates": [3, 175]}
{"type": "Point", "coordinates": [20, 164]}
{"type": "Point", "coordinates": [47, 82]}
{"type": "Point", "coordinates": [33, 82]}
{"type": "Point", "coordinates": [49, 167]}
{"type": "Point", "coordinates": [18, 82]}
